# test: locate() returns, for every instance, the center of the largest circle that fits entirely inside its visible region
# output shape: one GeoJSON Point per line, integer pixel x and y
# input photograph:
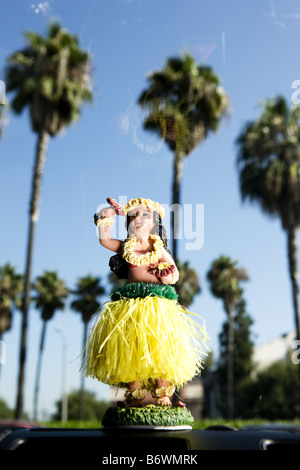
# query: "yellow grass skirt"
{"type": "Point", "coordinates": [143, 339]}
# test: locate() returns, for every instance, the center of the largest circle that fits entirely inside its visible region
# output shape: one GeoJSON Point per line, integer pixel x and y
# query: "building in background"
{"type": "Point", "coordinates": [277, 349]}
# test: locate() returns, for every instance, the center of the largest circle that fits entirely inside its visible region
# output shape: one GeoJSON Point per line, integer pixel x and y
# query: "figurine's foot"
{"type": "Point", "coordinates": [134, 398]}
{"type": "Point", "coordinates": [163, 395]}
{"type": "Point", "coordinates": [163, 401]}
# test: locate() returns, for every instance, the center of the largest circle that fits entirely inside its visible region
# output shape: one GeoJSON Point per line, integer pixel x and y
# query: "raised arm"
{"type": "Point", "coordinates": [104, 221]}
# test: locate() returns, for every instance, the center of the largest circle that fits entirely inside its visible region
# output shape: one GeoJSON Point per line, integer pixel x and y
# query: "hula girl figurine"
{"type": "Point", "coordinates": [143, 339]}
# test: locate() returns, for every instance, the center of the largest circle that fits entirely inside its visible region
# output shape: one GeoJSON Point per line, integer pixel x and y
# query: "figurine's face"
{"type": "Point", "coordinates": [140, 222]}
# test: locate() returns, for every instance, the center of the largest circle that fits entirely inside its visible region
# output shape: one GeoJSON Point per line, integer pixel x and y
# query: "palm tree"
{"type": "Point", "coordinates": [187, 285]}
{"type": "Point", "coordinates": [242, 358]}
{"type": "Point", "coordinates": [51, 294]}
{"type": "Point", "coordinates": [51, 78]}
{"type": "Point", "coordinates": [185, 103]}
{"type": "Point", "coordinates": [225, 277]}
{"type": "Point", "coordinates": [269, 172]}
{"type": "Point", "coordinates": [86, 295]}
{"type": "Point", "coordinates": [11, 287]}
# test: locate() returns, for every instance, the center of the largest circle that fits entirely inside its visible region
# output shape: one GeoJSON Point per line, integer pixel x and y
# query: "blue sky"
{"type": "Point", "coordinates": [253, 48]}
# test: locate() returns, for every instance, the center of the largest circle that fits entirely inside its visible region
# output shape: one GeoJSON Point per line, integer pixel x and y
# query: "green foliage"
{"type": "Point", "coordinates": [269, 162]}
{"type": "Point", "coordinates": [93, 409]}
{"type": "Point", "coordinates": [225, 278]}
{"type": "Point", "coordinates": [197, 424]}
{"type": "Point", "coordinates": [243, 364]}
{"type": "Point", "coordinates": [11, 287]}
{"type": "Point", "coordinates": [51, 294]}
{"type": "Point", "coordinates": [187, 285]}
{"type": "Point", "coordinates": [185, 102]}
{"type": "Point", "coordinates": [72, 424]}
{"type": "Point", "coordinates": [51, 76]}
{"type": "Point", "coordinates": [243, 344]}
{"type": "Point", "coordinates": [86, 296]}
{"type": "Point", "coordinates": [274, 393]}
{"type": "Point", "coordinates": [5, 412]}
{"type": "Point", "coordinates": [269, 173]}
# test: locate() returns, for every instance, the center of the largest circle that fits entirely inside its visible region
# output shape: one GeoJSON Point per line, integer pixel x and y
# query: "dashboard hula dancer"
{"type": "Point", "coordinates": [143, 339]}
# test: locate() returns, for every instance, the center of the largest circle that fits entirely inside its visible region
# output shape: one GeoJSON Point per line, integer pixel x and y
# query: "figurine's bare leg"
{"type": "Point", "coordinates": [163, 393]}
{"type": "Point", "coordinates": [134, 395]}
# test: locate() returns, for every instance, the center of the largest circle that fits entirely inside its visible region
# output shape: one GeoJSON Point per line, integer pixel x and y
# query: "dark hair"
{"type": "Point", "coordinates": [117, 263]}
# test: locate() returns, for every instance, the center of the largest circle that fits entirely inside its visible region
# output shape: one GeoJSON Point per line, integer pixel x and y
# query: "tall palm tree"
{"type": "Point", "coordinates": [51, 295]}
{"type": "Point", "coordinates": [11, 287]}
{"type": "Point", "coordinates": [86, 302]}
{"type": "Point", "coordinates": [50, 77]}
{"type": "Point", "coordinates": [225, 277]}
{"type": "Point", "coordinates": [269, 172]}
{"type": "Point", "coordinates": [185, 102]}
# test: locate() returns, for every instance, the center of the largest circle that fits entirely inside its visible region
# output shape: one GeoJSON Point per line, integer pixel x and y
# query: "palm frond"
{"type": "Point", "coordinates": [269, 160]}
{"type": "Point", "coordinates": [52, 74]}
{"type": "Point", "coordinates": [187, 94]}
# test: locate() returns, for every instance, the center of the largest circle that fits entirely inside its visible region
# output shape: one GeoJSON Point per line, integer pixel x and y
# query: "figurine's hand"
{"type": "Point", "coordinates": [166, 279]}
{"type": "Point", "coordinates": [107, 212]}
{"type": "Point", "coordinates": [167, 273]}
{"type": "Point", "coordinates": [162, 269]}
{"type": "Point", "coordinates": [118, 208]}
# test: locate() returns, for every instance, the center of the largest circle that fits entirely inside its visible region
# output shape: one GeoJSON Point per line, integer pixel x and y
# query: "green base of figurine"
{"type": "Point", "coordinates": [151, 416]}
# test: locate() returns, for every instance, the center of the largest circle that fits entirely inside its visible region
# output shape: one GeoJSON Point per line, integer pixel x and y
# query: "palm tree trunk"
{"type": "Point", "coordinates": [81, 402]}
{"type": "Point", "coordinates": [292, 257]}
{"type": "Point", "coordinates": [40, 158]}
{"type": "Point", "coordinates": [38, 372]}
{"type": "Point", "coordinates": [177, 175]}
{"type": "Point", "coordinates": [230, 366]}
{"type": "Point", "coordinates": [229, 304]}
